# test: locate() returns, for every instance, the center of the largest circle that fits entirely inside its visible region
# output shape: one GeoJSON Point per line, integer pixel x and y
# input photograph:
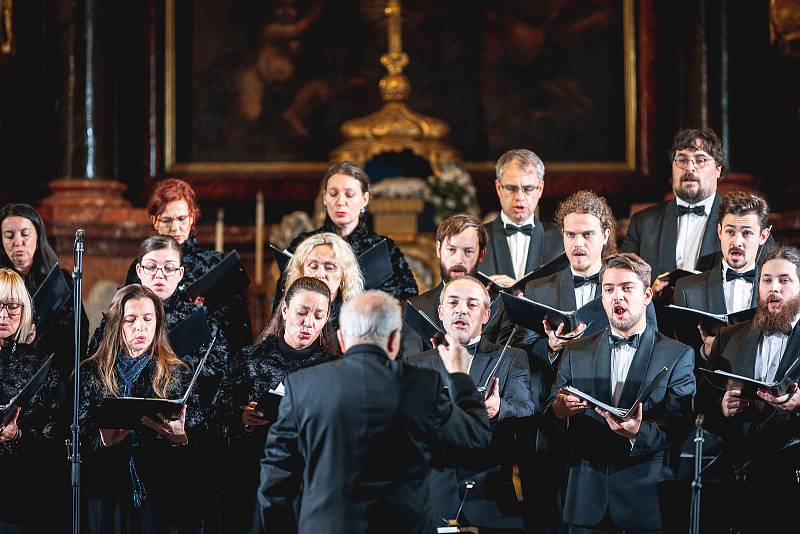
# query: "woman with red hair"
{"type": "Point", "coordinates": [174, 212]}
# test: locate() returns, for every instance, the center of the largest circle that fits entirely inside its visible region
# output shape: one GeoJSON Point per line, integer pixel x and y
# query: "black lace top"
{"type": "Point", "coordinates": [232, 315]}
{"type": "Point", "coordinates": [401, 286]}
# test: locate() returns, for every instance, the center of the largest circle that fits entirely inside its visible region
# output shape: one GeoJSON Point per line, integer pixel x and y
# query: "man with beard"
{"type": "Point", "coordinates": [460, 246]}
{"type": "Point", "coordinates": [759, 432]}
{"type": "Point", "coordinates": [615, 465]}
{"type": "Point", "coordinates": [677, 233]}
{"type": "Point", "coordinates": [491, 503]}
{"type": "Point", "coordinates": [518, 242]}
{"type": "Point", "coordinates": [730, 287]}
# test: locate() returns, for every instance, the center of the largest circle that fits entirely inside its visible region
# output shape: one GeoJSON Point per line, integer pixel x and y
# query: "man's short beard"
{"type": "Point", "coordinates": [692, 197]}
{"type": "Point", "coordinates": [626, 325]}
{"type": "Point", "coordinates": [446, 277]}
{"type": "Point", "coordinates": [779, 321]}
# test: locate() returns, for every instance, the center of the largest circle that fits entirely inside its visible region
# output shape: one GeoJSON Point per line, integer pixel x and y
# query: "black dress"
{"type": "Point", "coordinates": [401, 285]}
{"type": "Point", "coordinates": [232, 314]}
{"type": "Point", "coordinates": [33, 465]}
{"type": "Point", "coordinates": [256, 370]}
{"type": "Point", "coordinates": [58, 336]}
{"type": "Point", "coordinates": [144, 483]}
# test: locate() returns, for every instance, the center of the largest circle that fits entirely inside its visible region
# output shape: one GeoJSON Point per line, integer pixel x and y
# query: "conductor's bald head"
{"type": "Point", "coordinates": [372, 318]}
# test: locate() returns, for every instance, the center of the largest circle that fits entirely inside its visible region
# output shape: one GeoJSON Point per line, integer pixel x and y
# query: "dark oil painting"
{"type": "Point", "coordinates": [273, 80]}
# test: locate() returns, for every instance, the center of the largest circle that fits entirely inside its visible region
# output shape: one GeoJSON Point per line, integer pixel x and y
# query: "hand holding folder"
{"type": "Point", "coordinates": [559, 263]}
{"type": "Point", "coordinates": [127, 412]}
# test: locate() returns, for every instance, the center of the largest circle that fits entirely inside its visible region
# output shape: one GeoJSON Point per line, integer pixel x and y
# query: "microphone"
{"type": "Point", "coordinates": [79, 234]}
{"type": "Point", "coordinates": [452, 524]}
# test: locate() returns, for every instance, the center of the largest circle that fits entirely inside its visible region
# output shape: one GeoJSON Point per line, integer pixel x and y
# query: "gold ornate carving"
{"type": "Point", "coordinates": [784, 26]}
{"type": "Point", "coordinates": [395, 127]}
{"type": "Point", "coordinates": [6, 28]}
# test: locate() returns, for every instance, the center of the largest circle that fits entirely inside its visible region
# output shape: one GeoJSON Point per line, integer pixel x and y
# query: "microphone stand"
{"type": "Point", "coordinates": [75, 459]}
{"type": "Point", "coordinates": [697, 483]}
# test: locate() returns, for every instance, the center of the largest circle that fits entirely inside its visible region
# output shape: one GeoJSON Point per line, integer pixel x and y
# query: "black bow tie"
{"type": "Point", "coordinates": [697, 210]}
{"type": "Point", "coordinates": [472, 349]}
{"type": "Point", "coordinates": [616, 342]}
{"type": "Point", "coordinates": [579, 281]}
{"type": "Point", "coordinates": [747, 276]}
{"type": "Point", "coordinates": [511, 229]}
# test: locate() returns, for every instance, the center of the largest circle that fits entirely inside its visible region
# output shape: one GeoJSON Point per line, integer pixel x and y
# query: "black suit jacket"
{"type": "Point", "coordinates": [653, 235]}
{"type": "Point", "coordinates": [546, 244]}
{"type": "Point", "coordinates": [704, 291]}
{"type": "Point", "coordinates": [557, 291]}
{"type": "Point", "coordinates": [354, 436]}
{"type": "Point", "coordinates": [606, 474]}
{"type": "Point", "coordinates": [497, 329]}
{"type": "Point", "coordinates": [492, 503]}
{"type": "Point", "coordinates": [758, 432]}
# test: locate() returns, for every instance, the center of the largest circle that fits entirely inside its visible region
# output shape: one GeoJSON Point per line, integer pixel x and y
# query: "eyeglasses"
{"type": "Point", "coordinates": [514, 189]}
{"type": "Point", "coordinates": [682, 162]}
{"type": "Point", "coordinates": [166, 222]}
{"type": "Point", "coordinates": [13, 308]}
{"type": "Point", "coordinates": [152, 269]}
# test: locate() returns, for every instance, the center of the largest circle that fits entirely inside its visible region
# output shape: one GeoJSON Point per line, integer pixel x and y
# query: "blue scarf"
{"type": "Point", "coordinates": [128, 371]}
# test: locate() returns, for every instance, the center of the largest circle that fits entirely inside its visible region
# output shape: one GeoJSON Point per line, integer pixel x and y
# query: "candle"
{"type": "Point", "coordinates": [259, 238]}
{"type": "Point", "coordinates": [219, 235]}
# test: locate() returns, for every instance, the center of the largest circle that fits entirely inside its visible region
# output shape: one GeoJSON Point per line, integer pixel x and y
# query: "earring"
{"type": "Point", "coordinates": [363, 210]}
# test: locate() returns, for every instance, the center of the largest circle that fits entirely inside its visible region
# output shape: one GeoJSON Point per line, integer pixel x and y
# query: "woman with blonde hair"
{"type": "Point", "coordinates": [132, 476]}
{"type": "Point", "coordinates": [329, 258]}
{"type": "Point", "coordinates": [29, 452]}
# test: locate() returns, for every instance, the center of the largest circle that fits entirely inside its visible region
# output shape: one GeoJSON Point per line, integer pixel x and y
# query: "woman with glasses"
{"type": "Point", "coordinates": [144, 479]}
{"type": "Point", "coordinates": [327, 257]}
{"type": "Point", "coordinates": [298, 336]}
{"type": "Point", "coordinates": [30, 455]}
{"type": "Point", "coordinates": [174, 212]}
{"type": "Point", "coordinates": [27, 251]}
{"type": "Point", "coordinates": [345, 197]}
{"type": "Point", "coordinates": [160, 268]}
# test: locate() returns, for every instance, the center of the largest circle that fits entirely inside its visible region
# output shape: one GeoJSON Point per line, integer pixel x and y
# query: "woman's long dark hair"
{"type": "Point", "coordinates": [44, 258]}
{"type": "Point", "coordinates": [277, 325]}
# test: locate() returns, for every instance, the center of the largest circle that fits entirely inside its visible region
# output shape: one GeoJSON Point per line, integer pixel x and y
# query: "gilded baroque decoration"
{"type": "Point", "coordinates": [7, 28]}
{"type": "Point", "coordinates": [395, 127]}
{"type": "Point", "coordinates": [784, 26]}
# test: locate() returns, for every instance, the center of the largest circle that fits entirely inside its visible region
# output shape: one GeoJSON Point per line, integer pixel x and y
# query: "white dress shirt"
{"type": "Point", "coordinates": [738, 293]}
{"type": "Point", "coordinates": [472, 356]}
{"type": "Point", "coordinates": [586, 293]}
{"type": "Point", "coordinates": [621, 359]}
{"type": "Point", "coordinates": [770, 352]}
{"type": "Point", "coordinates": [518, 244]}
{"type": "Point", "coordinates": [691, 228]}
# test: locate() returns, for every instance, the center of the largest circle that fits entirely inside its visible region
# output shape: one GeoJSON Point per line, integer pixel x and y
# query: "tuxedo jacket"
{"type": "Point", "coordinates": [354, 438]}
{"type": "Point", "coordinates": [546, 244]}
{"type": "Point", "coordinates": [497, 329]}
{"type": "Point", "coordinates": [606, 473]}
{"type": "Point", "coordinates": [704, 291]}
{"type": "Point", "coordinates": [558, 291]}
{"type": "Point", "coordinates": [653, 235]}
{"type": "Point", "coordinates": [759, 431]}
{"type": "Point", "coordinates": [492, 503]}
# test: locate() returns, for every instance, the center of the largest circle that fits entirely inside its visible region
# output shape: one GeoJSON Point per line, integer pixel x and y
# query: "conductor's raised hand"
{"type": "Point", "coordinates": [251, 417]}
{"type": "Point", "coordinates": [11, 430]}
{"type": "Point", "coordinates": [566, 405]}
{"type": "Point", "coordinates": [172, 430]}
{"type": "Point", "coordinates": [454, 356]}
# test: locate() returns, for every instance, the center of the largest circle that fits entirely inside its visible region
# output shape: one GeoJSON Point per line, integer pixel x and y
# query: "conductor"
{"type": "Point", "coordinates": [356, 434]}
